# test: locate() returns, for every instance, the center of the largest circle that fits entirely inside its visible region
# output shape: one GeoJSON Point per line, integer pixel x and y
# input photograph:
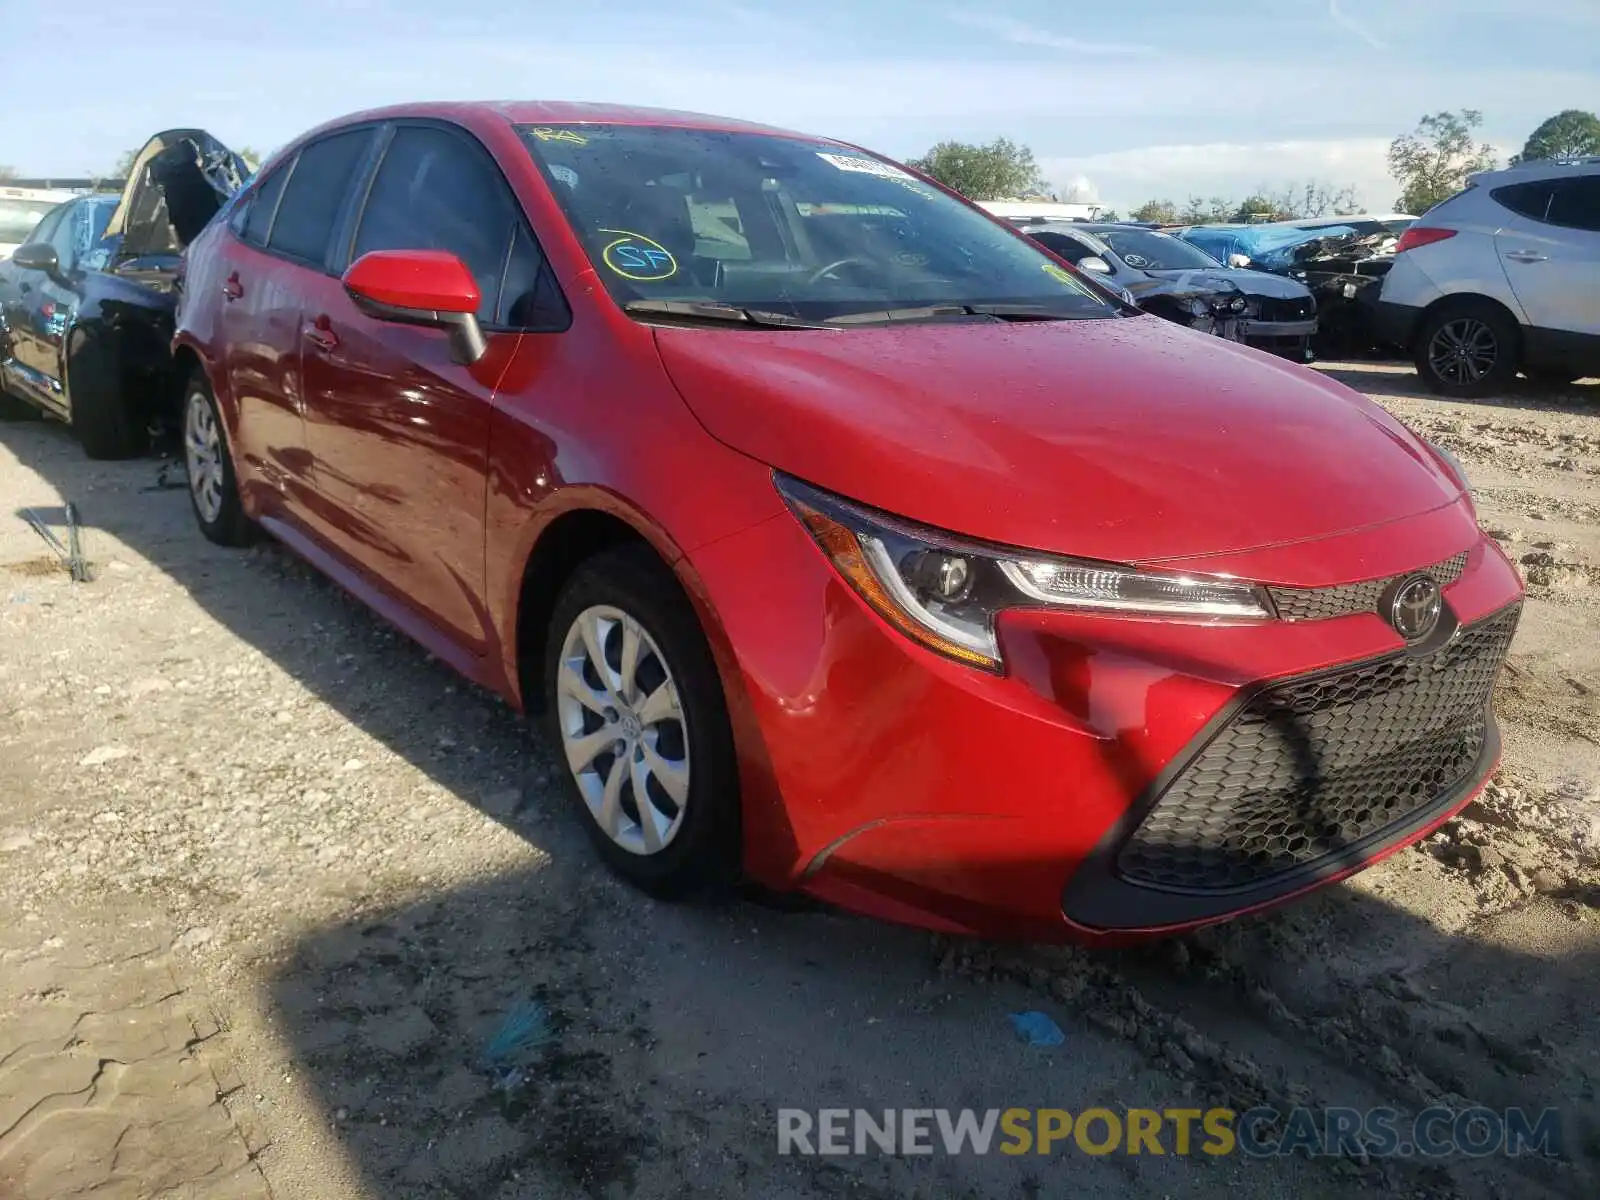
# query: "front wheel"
{"type": "Point", "coordinates": [213, 487]}
{"type": "Point", "coordinates": [1467, 350]}
{"type": "Point", "coordinates": [634, 707]}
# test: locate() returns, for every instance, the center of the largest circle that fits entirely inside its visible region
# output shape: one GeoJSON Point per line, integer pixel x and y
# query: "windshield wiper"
{"type": "Point", "coordinates": [932, 312]}
{"type": "Point", "coordinates": [707, 310]}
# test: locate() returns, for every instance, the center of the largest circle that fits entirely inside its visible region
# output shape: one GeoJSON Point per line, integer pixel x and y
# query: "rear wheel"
{"type": "Point", "coordinates": [1467, 349]}
{"type": "Point", "coordinates": [102, 414]}
{"type": "Point", "coordinates": [634, 707]}
{"type": "Point", "coordinates": [213, 487]}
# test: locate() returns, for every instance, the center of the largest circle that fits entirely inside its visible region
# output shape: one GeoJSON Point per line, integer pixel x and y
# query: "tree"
{"type": "Point", "coordinates": [1208, 212]}
{"type": "Point", "coordinates": [1572, 133]}
{"type": "Point", "coordinates": [1000, 170]}
{"type": "Point", "coordinates": [1261, 208]}
{"type": "Point", "coordinates": [1160, 212]}
{"type": "Point", "coordinates": [1107, 214]}
{"type": "Point", "coordinates": [124, 164]}
{"type": "Point", "coordinates": [1316, 199]}
{"type": "Point", "coordinates": [252, 157]}
{"type": "Point", "coordinates": [1432, 162]}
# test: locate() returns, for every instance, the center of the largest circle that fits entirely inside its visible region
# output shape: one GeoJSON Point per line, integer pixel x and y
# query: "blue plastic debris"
{"type": "Point", "coordinates": [524, 1032]}
{"type": "Point", "coordinates": [1037, 1029]}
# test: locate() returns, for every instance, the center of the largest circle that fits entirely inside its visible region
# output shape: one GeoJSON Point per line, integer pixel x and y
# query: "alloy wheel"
{"type": "Point", "coordinates": [202, 451]}
{"type": "Point", "coordinates": [623, 729]}
{"type": "Point", "coordinates": [1463, 351]}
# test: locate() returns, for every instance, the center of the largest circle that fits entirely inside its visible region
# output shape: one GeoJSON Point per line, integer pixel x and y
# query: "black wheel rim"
{"type": "Point", "coordinates": [1463, 351]}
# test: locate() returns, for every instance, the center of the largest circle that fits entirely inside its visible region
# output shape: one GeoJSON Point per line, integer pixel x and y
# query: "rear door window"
{"type": "Point", "coordinates": [256, 220]}
{"type": "Point", "coordinates": [435, 190]}
{"type": "Point", "coordinates": [314, 194]}
{"type": "Point", "coordinates": [1531, 200]}
{"type": "Point", "coordinates": [1575, 202]}
{"type": "Point", "coordinates": [1069, 248]}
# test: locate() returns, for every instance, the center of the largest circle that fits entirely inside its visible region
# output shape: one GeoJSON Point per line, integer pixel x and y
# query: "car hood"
{"type": "Point", "coordinates": [1131, 439]}
{"type": "Point", "coordinates": [1224, 279]}
{"type": "Point", "coordinates": [175, 186]}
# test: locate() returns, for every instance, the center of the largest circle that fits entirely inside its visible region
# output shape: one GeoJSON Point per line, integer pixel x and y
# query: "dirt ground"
{"type": "Point", "coordinates": [271, 880]}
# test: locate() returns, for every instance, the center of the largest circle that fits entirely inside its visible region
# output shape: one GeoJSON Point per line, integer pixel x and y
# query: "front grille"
{"type": "Point", "coordinates": [1318, 604]}
{"type": "Point", "coordinates": [1310, 767]}
{"type": "Point", "coordinates": [1273, 309]}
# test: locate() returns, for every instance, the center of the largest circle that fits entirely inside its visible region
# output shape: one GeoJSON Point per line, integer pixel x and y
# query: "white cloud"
{"type": "Point", "coordinates": [1009, 29]}
{"type": "Point", "coordinates": [1348, 22]}
{"type": "Point", "coordinates": [1127, 178]}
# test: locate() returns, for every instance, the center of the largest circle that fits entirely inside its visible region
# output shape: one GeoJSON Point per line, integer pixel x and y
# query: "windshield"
{"type": "Point", "coordinates": [18, 217]}
{"type": "Point", "coordinates": [783, 225]}
{"type": "Point", "coordinates": [1149, 251]}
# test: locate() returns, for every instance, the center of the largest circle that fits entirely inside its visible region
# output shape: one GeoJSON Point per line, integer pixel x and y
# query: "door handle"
{"type": "Point", "coordinates": [232, 289]}
{"type": "Point", "coordinates": [1526, 256]}
{"type": "Point", "coordinates": [320, 334]}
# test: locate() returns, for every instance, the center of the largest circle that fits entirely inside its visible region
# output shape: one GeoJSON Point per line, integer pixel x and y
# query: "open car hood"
{"type": "Point", "coordinates": [175, 186]}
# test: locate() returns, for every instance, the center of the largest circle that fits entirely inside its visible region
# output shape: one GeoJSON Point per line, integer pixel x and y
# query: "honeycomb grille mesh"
{"type": "Point", "coordinates": [1309, 767]}
{"type": "Point", "coordinates": [1318, 604]}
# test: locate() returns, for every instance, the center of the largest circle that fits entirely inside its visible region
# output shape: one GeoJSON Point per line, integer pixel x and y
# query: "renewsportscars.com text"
{"type": "Point", "coordinates": [1256, 1133]}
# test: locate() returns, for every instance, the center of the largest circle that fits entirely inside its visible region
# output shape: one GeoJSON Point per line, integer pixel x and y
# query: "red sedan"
{"type": "Point", "coordinates": [841, 536]}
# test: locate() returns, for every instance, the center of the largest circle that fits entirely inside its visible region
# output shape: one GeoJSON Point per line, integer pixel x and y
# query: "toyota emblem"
{"type": "Point", "coordinates": [1414, 611]}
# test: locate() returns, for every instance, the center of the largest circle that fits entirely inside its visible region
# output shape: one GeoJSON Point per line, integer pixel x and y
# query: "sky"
{"type": "Point", "coordinates": [1124, 99]}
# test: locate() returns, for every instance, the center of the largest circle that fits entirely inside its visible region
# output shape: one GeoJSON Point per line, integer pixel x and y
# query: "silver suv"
{"type": "Point", "coordinates": [1502, 277]}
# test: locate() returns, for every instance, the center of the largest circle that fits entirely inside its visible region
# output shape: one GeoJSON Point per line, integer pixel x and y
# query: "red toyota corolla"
{"type": "Point", "coordinates": [842, 537]}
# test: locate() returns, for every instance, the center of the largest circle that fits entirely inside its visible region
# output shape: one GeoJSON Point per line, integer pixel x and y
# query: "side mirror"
{"type": "Point", "coordinates": [1094, 263]}
{"type": "Point", "coordinates": [421, 287]}
{"type": "Point", "coordinates": [37, 256]}
{"type": "Point", "coordinates": [1238, 260]}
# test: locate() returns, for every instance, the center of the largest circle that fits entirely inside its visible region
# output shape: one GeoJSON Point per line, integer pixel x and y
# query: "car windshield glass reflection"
{"type": "Point", "coordinates": [1156, 251]}
{"type": "Point", "coordinates": [783, 225]}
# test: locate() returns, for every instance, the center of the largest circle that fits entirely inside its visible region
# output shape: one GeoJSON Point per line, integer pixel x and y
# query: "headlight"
{"type": "Point", "coordinates": [945, 592]}
{"type": "Point", "coordinates": [1199, 307]}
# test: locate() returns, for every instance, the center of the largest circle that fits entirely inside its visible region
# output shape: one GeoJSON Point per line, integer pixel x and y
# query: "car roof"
{"type": "Point", "coordinates": [1115, 226]}
{"type": "Point", "coordinates": [38, 195]}
{"type": "Point", "coordinates": [1544, 168]}
{"type": "Point", "coordinates": [561, 112]}
{"type": "Point", "coordinates": [1347, 219]}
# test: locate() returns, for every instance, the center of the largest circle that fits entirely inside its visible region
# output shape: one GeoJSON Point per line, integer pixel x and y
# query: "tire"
{"type": "Point", "coordinates": [208, 463]}
{"type": "Point", "coordinates": [696, 851]}
{"type": "Point", "coordinates": [1467, 349]}
{"type": "Point", "coordinates": [102, 417]}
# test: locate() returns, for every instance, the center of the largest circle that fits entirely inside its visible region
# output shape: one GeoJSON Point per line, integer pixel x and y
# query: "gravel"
{"type": "Point", "coordinates": [352, 866]}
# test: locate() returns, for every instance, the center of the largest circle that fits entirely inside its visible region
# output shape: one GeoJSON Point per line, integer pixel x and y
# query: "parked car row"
{"type": "Point", "coordinates": [86, 303]}
{"type": "Point", "coordinates": [1181, 283]}
{"type": "Point", "coordinates": [842, 536]}
{"type": "Point", "coordinates": [1500, 278]}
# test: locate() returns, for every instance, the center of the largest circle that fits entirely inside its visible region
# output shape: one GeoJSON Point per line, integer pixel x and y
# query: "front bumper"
{"type": "Point", "coordinates": [883, 778]}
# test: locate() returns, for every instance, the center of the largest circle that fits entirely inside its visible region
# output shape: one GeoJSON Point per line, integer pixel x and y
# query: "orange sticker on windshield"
{"type": "Point", "coordinates": [636, 257]}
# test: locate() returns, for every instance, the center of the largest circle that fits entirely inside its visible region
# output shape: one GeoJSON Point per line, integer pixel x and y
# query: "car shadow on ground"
{"type": "Point", "coordinates": [1398, 379]}
{"type": "Point", "coordinates": [551, 1033]}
